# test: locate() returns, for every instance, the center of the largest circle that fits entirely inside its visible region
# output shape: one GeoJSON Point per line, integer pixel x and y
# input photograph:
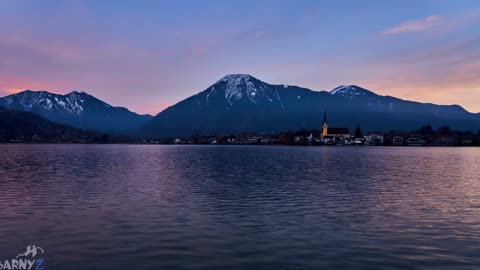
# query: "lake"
{"type": "Point", "coordinates": [241, 207]}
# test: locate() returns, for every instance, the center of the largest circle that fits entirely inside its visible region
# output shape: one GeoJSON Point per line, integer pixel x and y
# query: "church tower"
{"type": "Point", "coordinates": [325, 125]}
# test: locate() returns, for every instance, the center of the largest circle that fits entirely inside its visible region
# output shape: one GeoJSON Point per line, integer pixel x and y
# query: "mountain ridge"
{"type": "Point", "coordinates": [240, 103]}
{"type": "Point", "coordinates": [77, 109]}
{"type": "Point", "coordinates": [255, 106]}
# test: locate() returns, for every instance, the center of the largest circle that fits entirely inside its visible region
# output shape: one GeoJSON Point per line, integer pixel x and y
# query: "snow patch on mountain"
{"type": "Point", "coordinates": [212, 91]}
{"type": "Point", "coordinates": [238, 86]}
{"type": "Point", "coordinates": [350, 91]}
{"type": "Point", "coordinates": [341, 89]}
{"type": "Point", "coordinates": [75, 102]}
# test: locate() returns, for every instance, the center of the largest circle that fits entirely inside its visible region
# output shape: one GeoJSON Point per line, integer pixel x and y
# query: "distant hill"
{"type": "Point", "coordinates": [21, 125]}
{"type": "Point", "coordinates": [76, 109]}
{"type": "Point", "coordinates": [241, 103]}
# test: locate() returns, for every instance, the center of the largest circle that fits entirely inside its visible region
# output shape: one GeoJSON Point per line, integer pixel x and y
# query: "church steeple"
{"type": "Point", "coordinates": [325, 124]}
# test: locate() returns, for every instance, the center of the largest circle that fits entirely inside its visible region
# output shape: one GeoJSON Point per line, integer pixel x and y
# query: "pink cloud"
{"type": "Point", "coordinates": [414, 26]}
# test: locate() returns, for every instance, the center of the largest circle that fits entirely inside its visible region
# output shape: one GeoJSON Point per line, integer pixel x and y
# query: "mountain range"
{"type": "Point", "coordinates": [77, 109]}
{"type": "Point", "coordinates": [242, 103]}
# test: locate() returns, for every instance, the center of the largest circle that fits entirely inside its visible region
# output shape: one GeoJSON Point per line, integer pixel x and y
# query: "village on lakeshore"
{"type": "Point", "coordinates": [325, 135]}
{"type": "Point", "coordinates": [424, 136]}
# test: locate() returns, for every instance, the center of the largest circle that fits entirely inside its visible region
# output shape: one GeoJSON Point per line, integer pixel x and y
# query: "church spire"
{"type": "Point", "coordinates": [325, 125]}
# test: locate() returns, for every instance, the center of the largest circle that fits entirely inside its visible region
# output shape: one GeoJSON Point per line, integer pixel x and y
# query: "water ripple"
{"type": "Point", "coordinates": [229, 207]}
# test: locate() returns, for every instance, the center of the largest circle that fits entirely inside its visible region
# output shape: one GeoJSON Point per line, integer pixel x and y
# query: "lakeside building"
{"type": "Point", "coordinates": [398, 140]}
{"type": "Point", "coordinates": [334, 134]}
{"type": "Point", "coordinates": [374, 139]}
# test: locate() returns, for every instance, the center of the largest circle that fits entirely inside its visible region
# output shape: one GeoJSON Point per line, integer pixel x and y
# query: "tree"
{"type": "Point", "coordinates": [444, 130]}
{"type": "Point", "coordinates": [358, 132]}
{"type": "Point", "coordinates": [426, 130]}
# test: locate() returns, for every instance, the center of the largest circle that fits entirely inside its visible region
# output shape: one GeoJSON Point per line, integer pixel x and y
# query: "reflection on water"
{"type": "Point", "coordinates": [241, 207]}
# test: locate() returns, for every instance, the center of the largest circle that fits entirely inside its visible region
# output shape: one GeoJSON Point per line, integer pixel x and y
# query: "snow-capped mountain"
{"type": "Point", "coordinates": [363, 97]}
{"type": "Point", "coordinates": [72, 103]}
{"type": "Point", "coordinates": [351, 91]}
{"type": "Point", "coordinates": [241, 103]}
{"type": "Point", "coordinates": [238, 86]}
{"type": "Point", "coordinates": [77, 109]}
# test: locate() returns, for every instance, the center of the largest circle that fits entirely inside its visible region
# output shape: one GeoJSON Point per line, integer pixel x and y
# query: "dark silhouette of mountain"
{"type": "Point", "coordinates": [242, 103]}
{"type": "Point", "coordinates": [16, 124]}
{"type": "Point", "coordinates": [76, 109]}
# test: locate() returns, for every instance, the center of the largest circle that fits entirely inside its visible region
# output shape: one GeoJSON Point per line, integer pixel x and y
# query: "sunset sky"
{"type": "Point", "coordinates": [146, 55]}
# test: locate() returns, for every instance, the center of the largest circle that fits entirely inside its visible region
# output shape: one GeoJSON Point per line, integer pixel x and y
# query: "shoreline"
{"type": "Point", "coordinates": [200, 144]}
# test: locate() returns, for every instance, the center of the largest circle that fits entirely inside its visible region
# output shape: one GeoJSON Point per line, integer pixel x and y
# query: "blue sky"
{"type": "Point", "coordinates": [146, 55]}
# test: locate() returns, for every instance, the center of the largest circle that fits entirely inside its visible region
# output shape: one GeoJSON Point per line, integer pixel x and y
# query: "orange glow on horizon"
{"type": "Point", "coordinates": [153, 109]}
{"type": "Point", "coordinates": [10, 91]}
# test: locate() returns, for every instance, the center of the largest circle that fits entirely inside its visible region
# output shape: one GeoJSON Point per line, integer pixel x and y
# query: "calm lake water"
{"type": "Point", "coordinates": [241, 207]}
